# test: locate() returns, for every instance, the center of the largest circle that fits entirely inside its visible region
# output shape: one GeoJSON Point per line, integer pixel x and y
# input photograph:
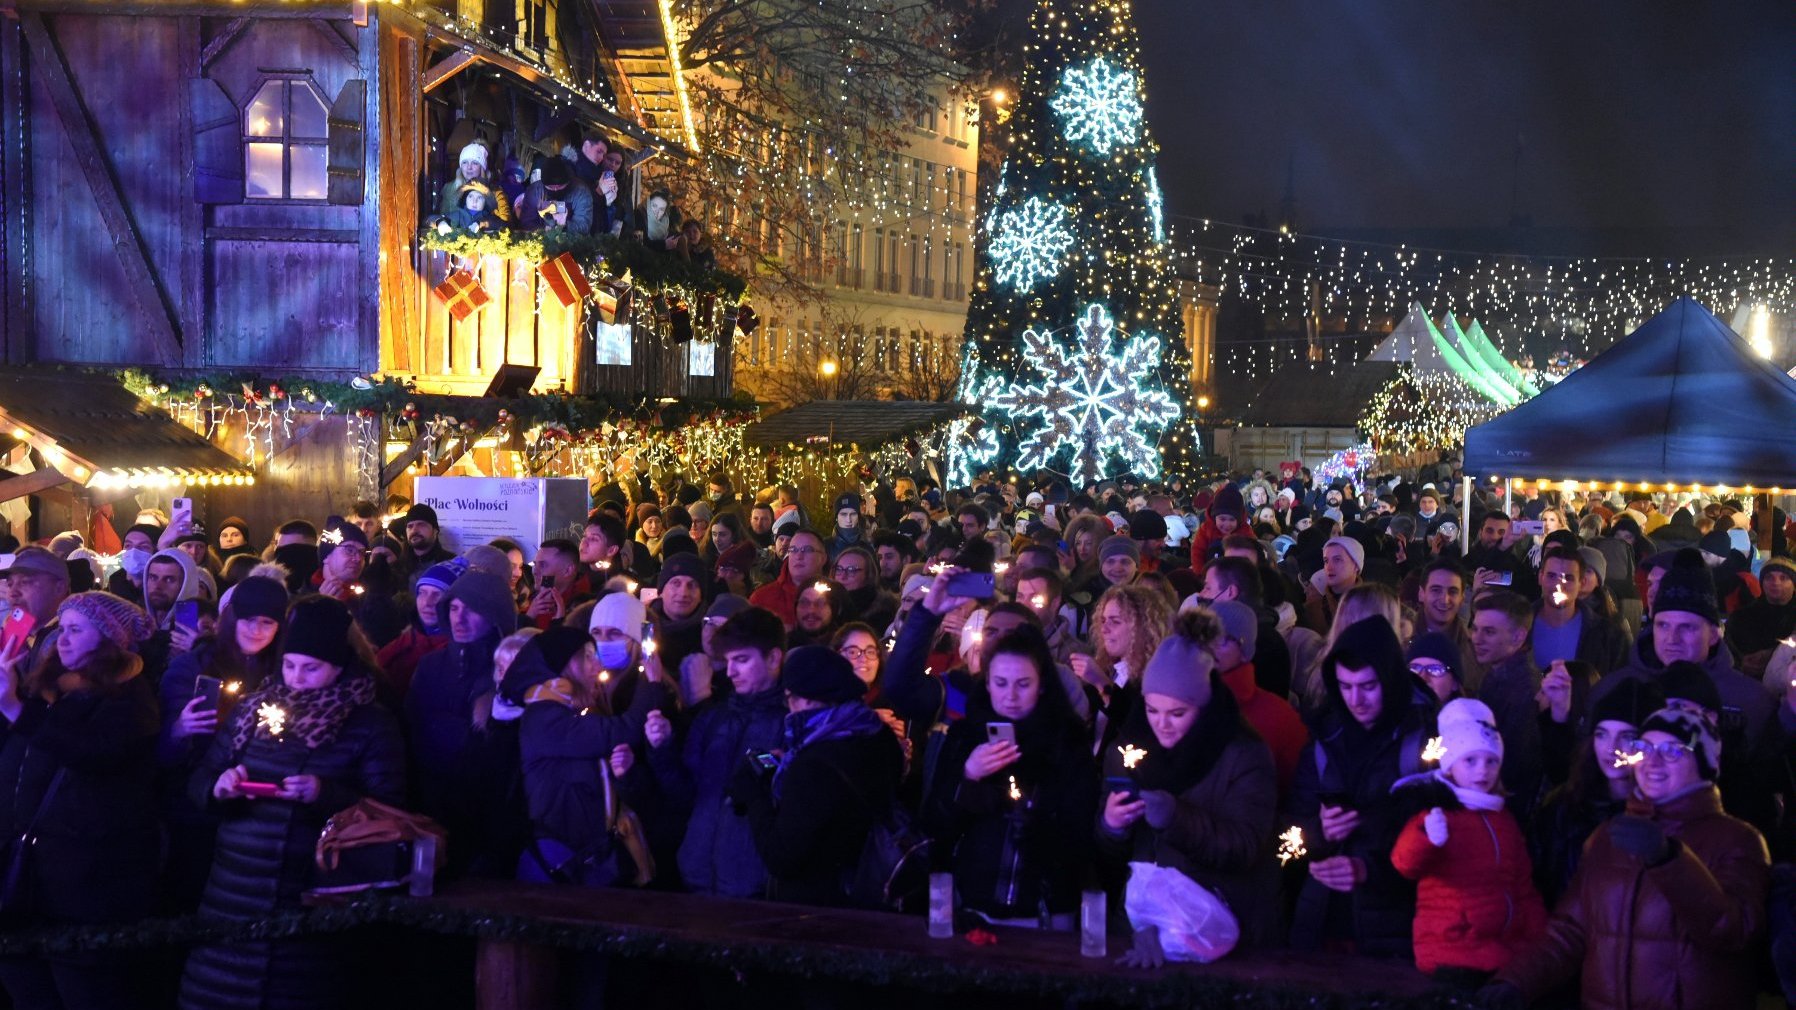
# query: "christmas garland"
{"type": "Point", "coordinates": [922, 972]}
{"type": "Point", "coordinates": [612, 256]}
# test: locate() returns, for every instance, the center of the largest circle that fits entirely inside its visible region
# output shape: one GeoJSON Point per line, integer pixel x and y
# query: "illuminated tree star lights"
{"type": "Point", "coordinates": [1028, 242]}
{"type": "Point", "coordinates": [1091, 402]}
{"type": "Point", "coordinates": [1100, 105]}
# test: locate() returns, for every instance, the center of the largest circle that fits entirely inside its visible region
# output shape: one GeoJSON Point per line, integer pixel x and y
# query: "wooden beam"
{"type": "Point", "coordinates": [462, 447]}
{"type": "Point", "coordinates": [228, 34]}
{"type": "Point", "coordinates": [15, 242]}
{"type": "Point", "coordinates": [343, 45]}
{"type": "Point", "coordinates": [448, 67]}
{"type": "Point", "coordinates": [133, 256]}
{"type": "Point", "coordinates": [35, 482]}
{"type": "Point", "coordinates": [391, 472]}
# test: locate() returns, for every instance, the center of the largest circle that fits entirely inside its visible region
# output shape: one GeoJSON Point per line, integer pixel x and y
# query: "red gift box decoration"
{"type": "Point", "coordinates": [565, 280]}
{"type": "Point", "coordinates": [462, 294]}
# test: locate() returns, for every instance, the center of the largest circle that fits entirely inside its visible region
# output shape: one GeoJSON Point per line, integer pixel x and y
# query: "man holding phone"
{"type": "Point", "coordinates": [37, 583]}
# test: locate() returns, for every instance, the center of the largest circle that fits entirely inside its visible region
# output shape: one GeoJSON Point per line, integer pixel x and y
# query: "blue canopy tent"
{"type": "Point", "coordinates": [1682, 400]}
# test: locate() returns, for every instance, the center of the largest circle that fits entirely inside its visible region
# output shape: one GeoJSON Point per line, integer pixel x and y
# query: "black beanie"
{"type": "Point", "coordinates": [1685, 681]}
{"type": "Point", "coordinates": [1690, 590]}
{"type": "Point", "coordinates": [820, 674]}
{"type": "Point", "coordinates": [1146, 524]}
{"type": "Point", "coordinates": [684, 563]}
{"type": "Point", "coordinates": [319, 627]}
{"type": "Point", "coordinates": [1629, 701]}
{"type": "Point", "coordinates": [150, 530]}
{"type": "Point", "coordinates": [558, 645]}
{"type": "Point", "coordinates": [420, 512]}
{"type": "Point", "coordinates": [337, 532]}
{"type": "Point", "coordinates": [259, 596]}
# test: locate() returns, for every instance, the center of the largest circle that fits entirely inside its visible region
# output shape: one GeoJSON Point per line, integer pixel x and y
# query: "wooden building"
{"type": "Point", "coordinates": [239, 185]}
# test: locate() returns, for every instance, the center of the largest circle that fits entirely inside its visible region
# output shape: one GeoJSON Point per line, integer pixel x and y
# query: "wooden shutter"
{"type": "Point", "coordinates": [347, 146]}
{"type": "Point", "coordinates": [217, 143]}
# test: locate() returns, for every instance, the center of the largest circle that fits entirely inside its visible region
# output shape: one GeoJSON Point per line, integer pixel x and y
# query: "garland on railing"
{"type": "Point", "coordinates": [610, 255]}
{"type": "Point", "coordinates": [921, 972]}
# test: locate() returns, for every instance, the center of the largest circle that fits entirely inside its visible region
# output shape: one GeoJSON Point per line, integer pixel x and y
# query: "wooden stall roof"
{"type": "Point", "coordinates": [1302, 395]}
{"type": "Point", "coordinates": [92, 421]}
{"type": "Point", "coordinates": [863, 423]}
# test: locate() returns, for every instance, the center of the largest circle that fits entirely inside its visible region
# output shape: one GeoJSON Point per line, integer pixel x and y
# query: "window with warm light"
{"type": "Point", "coordinates": [286, 129]}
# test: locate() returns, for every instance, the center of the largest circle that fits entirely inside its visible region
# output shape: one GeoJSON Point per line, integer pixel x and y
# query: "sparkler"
{"type": "Point", "coordinates": [1290, 845]}
{"type": "Point", "coordinates": [820, 586]}
{"type": "Point", "coordinates": [1039, 600]}
{"type": "Point", "coordinates": [1132, 755]}
{"type": "Point", "coordinates": [1559, 597]}
{"type": "Point", "coordinates": [649, 646]}
{"type": "Point", "coordinates": [1015, 793]}
{"type": "Point", "coordinates": [331, 536]}
{"type": "Point", "coordinates": [1626, 760]}
{"type": "Point", "coordinates": [1434, 750]}
{"type": "Point", "coordinates": [273, 719]}
{"type": "Point", "coordinates": [1000, 567]}
{"type": "Point", "coordinates": [233, 686]}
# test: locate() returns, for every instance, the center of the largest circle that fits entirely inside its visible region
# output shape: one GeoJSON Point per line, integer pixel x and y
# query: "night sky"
{"type": "Point", "coordinates": [1404, 114]}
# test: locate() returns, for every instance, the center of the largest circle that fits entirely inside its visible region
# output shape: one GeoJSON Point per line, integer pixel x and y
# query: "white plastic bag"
{"type": "Point", "coordinates": [1194, 924]}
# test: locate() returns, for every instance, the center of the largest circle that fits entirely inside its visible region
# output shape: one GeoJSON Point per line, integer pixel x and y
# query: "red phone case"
{"type": "Point", "coordinates": [258, 789]}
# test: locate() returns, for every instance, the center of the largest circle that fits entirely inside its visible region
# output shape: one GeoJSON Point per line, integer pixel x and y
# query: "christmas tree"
{"type": "Point", "coordinates": [1074, 352]}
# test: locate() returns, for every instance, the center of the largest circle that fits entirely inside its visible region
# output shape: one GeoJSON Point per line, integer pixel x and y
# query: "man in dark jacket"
{"type": "Point", "coordinates": [679, 611]}
{"type": "Point", "coordinates": [1757, 628]}
{"type": "Point", "coordinates": [834, 778]}
{"type": "Point", "coordinates": [717, 855]}
{"type": "Point", "coordinates": [439, 708]}
{"type": "Point", "coordinates": [1500, 624]}
{"type": "Point", "coordinates": [1370, 735]}
{"type": "Point", "coordinates": [1565, 630]}
{"type": "Point", "coordinates": [422, 539]}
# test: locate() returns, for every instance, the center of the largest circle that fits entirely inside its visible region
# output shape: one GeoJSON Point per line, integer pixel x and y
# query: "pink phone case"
{"type": "Point", "coordinates": [258, 789]}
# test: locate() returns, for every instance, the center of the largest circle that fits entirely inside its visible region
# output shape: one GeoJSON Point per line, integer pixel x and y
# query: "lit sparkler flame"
{"type": "Point", "coordinates": [1132, 755]}
{"type": "Point", "coordinates": [649, 646]}
{"type": "Point", "coordinates": [272, 718]}
{"type": "Point", "coordinates": [630, 586]}
{"type": "Point", "coordinates": [1290, 845]}
{"type": "Point", "coordinates": [1626, 760]}
{"type": "Point", "coordinates": [820, 586]}
{"type": "Point", "coordinates": [233, 686]}
{"type": "Point", "coordinates": [1015, 792]}
{"type": "Point", "coordinates": [1559, 597]}
{"type": "Point", "coordinates": [331, 536]}
{"type": "Point", "coordinates": [1434, 750]}
{"type": "Point", "coordinates": [1000, 567]}
{"type": "Point", "coordinates": [937, 568]}
{"type": "Point", "coordinates": [358, 590]}
{"type": "Point", "coordinates": [1039, 600]}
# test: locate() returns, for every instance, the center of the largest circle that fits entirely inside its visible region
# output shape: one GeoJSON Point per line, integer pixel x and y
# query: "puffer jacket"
{"type": "Point", "coordinates": [1682, 934]}
{"type": "Point", "coordinates": [717, 855]}
{"type": "Point", "coordinates": [1475, 898]}
{"type": "Point", "coordinates": [265, 858]}
{"type": "Point", "coordinates": [439, 720]}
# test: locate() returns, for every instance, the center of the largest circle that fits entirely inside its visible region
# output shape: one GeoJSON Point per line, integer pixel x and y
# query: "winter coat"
{"type": "Point", "coordinates": [1562, 824]}
{"type": "Point", "coordinates": [780, 596]}
{"type": "Point", "coordinates": [1760, 626]}
{"type": "Point", "coordinates": [562, 750]}
{"type": "Point", "coordinates": [1013, 857]}
{"type": "Point", "coordinates": [265, 857]}
{"type": "Point", "coordinates": [1682, 933]}
{"type": "Point", "coordinates": [1509, 688]}
{"type": "Point", "coordinates": [830, 796]}
{"type": "Point", "coordinates": [1475, 900]}
{"type": "Point", "coordinates": [399, 659]}
{"type": "Point", "coordinates": [95, 860]}
{"type": "Point", "coordinates": [439, 720]}
{"type": "Point", "coordinates": [1224, 823]}
{"type": "Point", "coordinates": [717, 855]}
{"type": "Point", "coordinates": [1273, 720]}
{"type": "Point", "coordinates": [677, 639]}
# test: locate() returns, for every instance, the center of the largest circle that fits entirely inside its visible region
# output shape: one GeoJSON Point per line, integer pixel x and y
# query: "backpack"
{"type": "Point", "coordinates": [892, 872]}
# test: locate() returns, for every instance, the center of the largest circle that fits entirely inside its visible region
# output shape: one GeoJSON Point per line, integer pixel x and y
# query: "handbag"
{"type": "Point", "coordinates": [371, 845]}
{"type": "Point", "coordinates": [16, 883]}
{"type": "Point", "coordinates": [561, 864]}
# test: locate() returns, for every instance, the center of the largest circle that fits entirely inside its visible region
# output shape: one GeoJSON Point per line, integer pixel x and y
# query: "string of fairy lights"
{"type": "Point", "coordinates": [1531, 306]}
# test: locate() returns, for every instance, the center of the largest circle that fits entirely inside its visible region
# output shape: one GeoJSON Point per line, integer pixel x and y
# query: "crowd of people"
{"type": "Point", "coordinates": [1551, 768]}
{"type": "Point", "coordinates": [584, 189]}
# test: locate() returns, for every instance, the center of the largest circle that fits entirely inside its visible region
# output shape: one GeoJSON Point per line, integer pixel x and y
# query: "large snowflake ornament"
{"type": "Point", "coordinates": [1093, 402]}
{"type": "Point", "coordinates": [1099, 105]}
{"type": "Point", "coordinates": [1028, 242]}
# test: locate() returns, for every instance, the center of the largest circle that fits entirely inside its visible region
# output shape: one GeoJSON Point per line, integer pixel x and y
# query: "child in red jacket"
{"type": "Point", "coordinates": [1475, 899]}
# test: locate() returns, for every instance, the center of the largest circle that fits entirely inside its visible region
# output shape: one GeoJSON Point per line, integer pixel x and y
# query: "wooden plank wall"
{"type": "Point", "coordinates": [401, 152]}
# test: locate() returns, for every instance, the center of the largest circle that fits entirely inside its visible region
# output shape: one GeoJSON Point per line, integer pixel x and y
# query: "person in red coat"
{"type": "Point", "coordinates": [1226, 515]}
{"type": "Point", "coordinates": [805, 558]}
{"type": "Point", "coordinates": [1271, 716]}
{"type": "Point", "coordinates": [1476, 905]}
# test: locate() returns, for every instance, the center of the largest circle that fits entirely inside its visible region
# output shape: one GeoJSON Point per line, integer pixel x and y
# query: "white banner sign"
{"type": "Point", "coordinates": [529, 510]}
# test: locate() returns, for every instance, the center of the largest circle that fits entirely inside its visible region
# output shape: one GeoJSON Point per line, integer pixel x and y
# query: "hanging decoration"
{"type": "Point", "coordinates": [1028, 243]}
{"type": "Point", "coordinates": [1100, 105]}
{"type": "Point", "coordinates": [462, 294]}
{"type": "Point", "coordinates": [1418, 411]}
{"type": "Point", "coordinates": [1349, 465]}
{"type": "Point", "coordinates": [1093, 403]}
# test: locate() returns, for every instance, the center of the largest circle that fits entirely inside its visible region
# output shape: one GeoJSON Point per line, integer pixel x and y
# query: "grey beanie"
{"type": "Point", "coordinates": [1240, 623]}
{"type": "Point", "coordinates": [1593, 559]}
{"type": "Point", "coordinates": [1180, 668]}
{"type": "Point", "coordinates": [1118, 544]}
{"type": "Point", "coordinates": [488, 595]}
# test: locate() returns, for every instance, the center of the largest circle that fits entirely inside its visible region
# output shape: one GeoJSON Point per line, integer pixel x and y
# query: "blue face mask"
{"type": "Point", "coordinates": [613, 655]}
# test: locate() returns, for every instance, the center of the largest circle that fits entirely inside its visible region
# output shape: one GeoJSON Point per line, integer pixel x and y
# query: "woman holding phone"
{"type": "Point", "coordinates": [200, 685]}
{"type": "Point", "coordinates": [76, 771]}
{"type": "Point", "coordinates": [1015, 791]}
{"type": "Point", "coordinates": [304, 746]}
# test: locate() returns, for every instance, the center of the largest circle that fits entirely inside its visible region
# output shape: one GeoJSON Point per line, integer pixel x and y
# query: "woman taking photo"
{"type": "Point", "coordinates": [240, 658]}
{"type": "Point", "coordinates": [1203, 792]}
{"type": "Point", "coordinates": [76, 770]}
{"type": "Point", "coordinates": [306, 745]}
{"type": "Point", "coordinates": [1015, 792]}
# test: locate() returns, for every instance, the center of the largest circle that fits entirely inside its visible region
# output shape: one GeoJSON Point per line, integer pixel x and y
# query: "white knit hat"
{"type": "Point", "coordinates": [475, 151]}
{"type": "Point", "coordinates": [1467, 727]}
{"type": "Point", "coordinates": [621, 611]}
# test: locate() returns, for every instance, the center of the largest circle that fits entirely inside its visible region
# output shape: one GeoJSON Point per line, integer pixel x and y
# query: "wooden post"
{"type": "Point", "coordinates": [509, 974]}
{"type": "Point", "coordinates": [1762, 519]}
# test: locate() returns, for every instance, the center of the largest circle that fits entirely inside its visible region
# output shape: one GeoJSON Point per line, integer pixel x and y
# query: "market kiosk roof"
{"type": "Point", "coordinates": [1682, 400]}
{"type": "Point", "coordinates": [92, 430]}
{"type": "Point", "coordinates": [866, 423]}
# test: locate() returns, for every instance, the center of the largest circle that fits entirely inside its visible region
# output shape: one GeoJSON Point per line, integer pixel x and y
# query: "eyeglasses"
{"type": "Point", "coordinates": [854, 652]}
{"type": "Point", "coordinates": [1669, 751]}
{"type": "Point", "coordinates": [1433, 670]}
{"type": "Point", "coordinates": [804, 550]}
{"type": "Point", "coordinates": [844, 570]}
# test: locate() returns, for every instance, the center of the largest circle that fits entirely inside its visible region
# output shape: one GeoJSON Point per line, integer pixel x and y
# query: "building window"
{"type": "Point", "coordinates": [285, 144]}
{"type": "Point", "coordinates": [928, 267]}
{"type": "Point", "coordinates": [854, 258]}
{"type": "Point", "coordinates": [916, 272]}
{"type": "Point", "coordinates": [613, 340]}
{"type": "Point", "coordinates": [879, 259]}
{"type": "Point", "coordinates": [892, 252]}
{"type": "Point", "coordinates": [929, 192]}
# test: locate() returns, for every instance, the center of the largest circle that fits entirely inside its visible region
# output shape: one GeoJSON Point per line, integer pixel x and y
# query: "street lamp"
{"type": "Point", "coordinates": [828, 370]}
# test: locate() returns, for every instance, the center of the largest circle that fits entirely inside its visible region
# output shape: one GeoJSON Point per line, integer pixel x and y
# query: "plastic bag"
{"type": "Point", "coordinates": [1194, 924]}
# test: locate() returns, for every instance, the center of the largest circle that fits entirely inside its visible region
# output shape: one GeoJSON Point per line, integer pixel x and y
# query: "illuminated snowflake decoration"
{"type": "Point", "coordinates": [1156, 205]}
{"type": "Point", "coordinates": [1100, 105]}
{"type": "Point", "coordinates": [970, 450]}
{"type": "Point", "coordinates": [1028, 242]}
{"type": "Point", "coordinates": [1093, 402]}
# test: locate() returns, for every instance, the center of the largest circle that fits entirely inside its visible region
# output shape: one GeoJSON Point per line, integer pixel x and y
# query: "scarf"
{"type": "Point", "coordinates": [831, 722]}
{"type": "Point", "coordinates": [559, 690]}
{"type": "Point", "coordinates": [1177, 768]}
{"type": "Point", "coordinates": [313, 717]}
